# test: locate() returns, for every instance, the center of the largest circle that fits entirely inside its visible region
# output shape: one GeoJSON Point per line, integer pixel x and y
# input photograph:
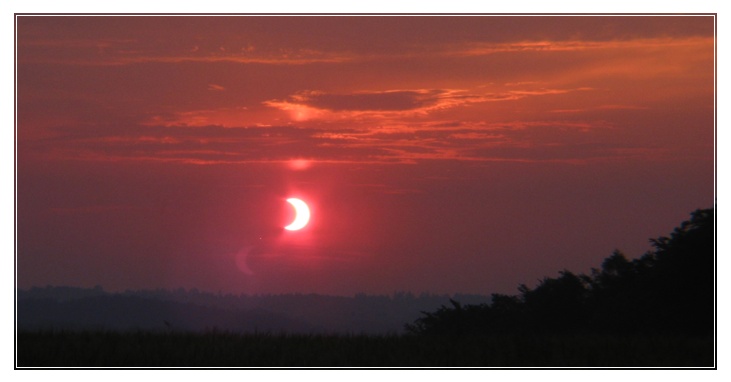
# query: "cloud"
{"type": "Point", "coordinates": [392, 104]}
{"type": "Point", "coordinates": [377, 101]}
{"type": "Point", "coordinates": [292, 146]}
{"type": "Point", "coordinates": [601, 107]}
{"type": "Point", "coordinates": [119, 52]}
{"type": "Point", "coordinates": [309, 105]}
{"type": "Point", "coordinates": [548, 46]}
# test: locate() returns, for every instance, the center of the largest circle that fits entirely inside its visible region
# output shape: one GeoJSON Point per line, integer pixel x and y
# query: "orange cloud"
{"type": "Point", "coordinates": [488, 48]}
{"type": "Point", "coordinates": [393, 104]}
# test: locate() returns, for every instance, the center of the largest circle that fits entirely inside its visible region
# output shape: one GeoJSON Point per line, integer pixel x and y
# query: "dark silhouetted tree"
{"type": "Point", "coordinates": [556, 305]}
{"type": "Point", "coordinates": [669, 290]}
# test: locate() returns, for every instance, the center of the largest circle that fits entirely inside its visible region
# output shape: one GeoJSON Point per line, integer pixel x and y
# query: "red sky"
{"type": "Point", "coordinates": [438, 154]}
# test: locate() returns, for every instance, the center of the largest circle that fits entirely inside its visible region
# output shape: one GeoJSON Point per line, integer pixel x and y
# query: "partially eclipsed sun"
{"type": "Point", "coordinates": [302, 214]}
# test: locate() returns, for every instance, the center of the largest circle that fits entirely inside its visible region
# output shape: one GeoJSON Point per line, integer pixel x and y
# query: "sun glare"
{"type": "Point", "coordinates": [302, 214]}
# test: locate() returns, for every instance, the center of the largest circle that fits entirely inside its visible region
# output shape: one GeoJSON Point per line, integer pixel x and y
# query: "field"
{"type": "Point", "coordinates": [62, 349]}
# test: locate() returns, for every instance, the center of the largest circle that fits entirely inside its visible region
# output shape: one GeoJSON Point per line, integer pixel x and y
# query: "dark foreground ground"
{"type": "Point", "coordinates": [217, 349]}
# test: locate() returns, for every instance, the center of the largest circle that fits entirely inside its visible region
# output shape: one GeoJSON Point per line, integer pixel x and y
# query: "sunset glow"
{"type": "Point", "coordinates": [438, 154]}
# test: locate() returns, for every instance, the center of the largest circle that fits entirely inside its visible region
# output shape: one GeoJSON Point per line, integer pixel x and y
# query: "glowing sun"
{"type": "Point", "coordinates": [302, 214]}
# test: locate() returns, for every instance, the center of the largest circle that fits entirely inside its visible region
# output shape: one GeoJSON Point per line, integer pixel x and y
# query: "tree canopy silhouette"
{"type": "Point", "coordinates": [669, 290]}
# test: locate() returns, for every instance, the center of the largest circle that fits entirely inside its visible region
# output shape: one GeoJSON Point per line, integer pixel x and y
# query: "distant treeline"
{"type": "Point", "coordinates": [667, 291]}
{"type": "Point", "coordinates": [71, 308]}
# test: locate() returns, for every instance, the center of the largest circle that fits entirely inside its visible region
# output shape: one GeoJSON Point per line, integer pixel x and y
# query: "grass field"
{"type": "Point", "coordinates": [221, 349]}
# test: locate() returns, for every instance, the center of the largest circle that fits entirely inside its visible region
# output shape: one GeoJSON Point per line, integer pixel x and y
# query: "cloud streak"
{"type": "Point", "coordinates": [76, 51]}
{"type": "Point", "coordinates": [390, 104]}
{"type": "Point", "coordinates": [549, 46]}
{"type": "Point", "coordinates": [517, 141]}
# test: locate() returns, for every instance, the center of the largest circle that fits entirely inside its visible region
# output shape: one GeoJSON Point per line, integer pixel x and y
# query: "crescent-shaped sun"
{"type": "Point", "coordinates": [302, 214]}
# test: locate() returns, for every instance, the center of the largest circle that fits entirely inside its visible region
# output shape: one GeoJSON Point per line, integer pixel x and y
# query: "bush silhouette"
{"type": "Point", "coordinates": [669, 290]}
